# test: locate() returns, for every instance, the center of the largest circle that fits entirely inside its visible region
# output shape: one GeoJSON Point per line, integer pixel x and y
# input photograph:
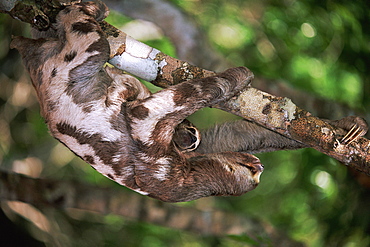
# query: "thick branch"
{"type": "Point", "coordinates": [66, 194]}
{"type": "Point", "coordinates": [275, 113]}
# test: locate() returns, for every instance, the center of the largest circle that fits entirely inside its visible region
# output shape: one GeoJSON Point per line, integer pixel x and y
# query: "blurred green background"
{"type": "Point", "coordinates": [321, 47]}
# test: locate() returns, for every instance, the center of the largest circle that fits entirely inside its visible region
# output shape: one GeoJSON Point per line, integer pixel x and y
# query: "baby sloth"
{"type": "Point", "coordinates": [115, 124]}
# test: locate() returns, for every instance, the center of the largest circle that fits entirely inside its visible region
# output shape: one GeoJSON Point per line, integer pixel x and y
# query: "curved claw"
{"type": "Point", "coordinates": [353, 134]}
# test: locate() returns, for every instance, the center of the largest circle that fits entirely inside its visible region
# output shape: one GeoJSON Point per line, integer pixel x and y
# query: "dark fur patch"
{"type": "Point", "coordinates": [105, 150]}
{"type": "Point", "coordinates": [139, 112]}
{"type": "Point", "coordinates": [39, 74]}
{"type": "Point", "coordinates": [89, 68]}
{"type": "Point", "coordinates": [89, 159]}
{"type": "Point", "coordinates": [98, 45]}
{"type": "Point", "coordinates": [83, 27]}
{"type": "Point", "coordinates": [52, 105]}
{"type": "Point", "coordinates": [70, 56]}
{"type": "Point", "coordinates": [183, 92]}
{"type": "Point", "coordinates": [54, 72]}
{"type": "Point", "coordinates": [86, 82]}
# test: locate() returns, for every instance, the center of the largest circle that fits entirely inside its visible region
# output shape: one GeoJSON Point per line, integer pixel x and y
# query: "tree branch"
{"type": "Point", "coordinates": [67, 194]}
{"type": "Point", "coordinates": [275, 113]}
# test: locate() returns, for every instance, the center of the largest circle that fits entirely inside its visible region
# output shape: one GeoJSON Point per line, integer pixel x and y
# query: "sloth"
{"type": "Point", "coordinates": [136, 138]}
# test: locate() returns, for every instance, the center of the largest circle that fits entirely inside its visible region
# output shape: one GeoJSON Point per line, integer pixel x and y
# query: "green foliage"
{"type": "Point", "coordinates": [250, 241]}
{"type": "Point", "coordinates": [318, 46]}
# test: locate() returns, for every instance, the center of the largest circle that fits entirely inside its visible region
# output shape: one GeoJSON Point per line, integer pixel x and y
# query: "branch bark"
{"type": "Point", "coordinates": [275, 113]}
{"type": "Point", "coordinates": [67, 194]}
